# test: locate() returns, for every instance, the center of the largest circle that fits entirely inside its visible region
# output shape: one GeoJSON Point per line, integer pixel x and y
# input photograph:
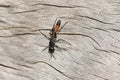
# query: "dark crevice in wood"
{"type": "Point", "coordinates": [81, 35]}
{"type": "Point", "coordinates": [53, 68]}
{"type": "Point", "coordinates": [14, 35]}
{"type": "Point", "coordinates": [99, 76]}
{"type": "Point", "coordinates": [1, 21]}
{"type": "Point", "coordinates": [25, 11]}
{"type": "Point", "coordinates": [6, 66]}
{"type": "Point", "coordinates": [115, 52]}
{"type": "Point", "coordinates": [96, 61]}
{"type": "Point", "coordinates": [22, 65]}
{"type": "Point", "coordinates": [14, 28]}
{"type": "Point", "coordinates": [117, 30]}
{"type": "Point", "coordinates": [5, 6]}
{"type": "Point", "coordinates": [107, 51]}
{"type": "Point", "coordinates": [54, 5]}
{"type": "Point", "coordinates": [101, 50]}
{"type": "Point", "coordinates": [94, 53]}
{"type": "Point", "coordinates": [95, 19]}
{"type": "Point", "coordinates": [23, 76]}
{"type": "Point", "coordinates": [100, 29]}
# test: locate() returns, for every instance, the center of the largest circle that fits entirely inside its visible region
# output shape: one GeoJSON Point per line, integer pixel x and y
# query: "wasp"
{"type": "Point", "coordinates": [53, 37]}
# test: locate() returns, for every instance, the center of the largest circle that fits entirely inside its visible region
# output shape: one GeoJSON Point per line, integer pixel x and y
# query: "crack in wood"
{"type": "Point", "coordinates": [22, 65]}
{"type": "Point", "coordinates": [117, 30]}
{"type": "Point", "coordinates": [51, 67]}
{"type": "Point", "coordinates": [53, 5]}
{"type": "Point", "coordinates": [96, 61]}
{"type": "Point", "coordinates": [99, 76]}
{"type": "Point", "coordinates": [107, 51]}
{"type": "Point", "coordinates": [94, 19]}
{"type": "Point", "coordinates": [25, 11]}
{"type": "Point", "coordinates": [115, 52]}
{"type": "Point", "coordinates": [81, 35]}
{"type": "Point", "coordinates": [100, 29]}
{"type": "Point", "coordinates": [21, 34]}
{"type": "Point", "coordinates": [14, 28]}
{"type": "Point", "coordinates": [23, 76]}
{"type": "Point", "coordinates": [6, 66]}
{"type": "Point", "coordinates": [101, 50]}
{"type": "Point", "coordinates": [5, 6]}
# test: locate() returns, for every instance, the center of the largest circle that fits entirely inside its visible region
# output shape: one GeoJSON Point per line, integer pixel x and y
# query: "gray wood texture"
{"type": "Point", "coordinates": [94, 54]}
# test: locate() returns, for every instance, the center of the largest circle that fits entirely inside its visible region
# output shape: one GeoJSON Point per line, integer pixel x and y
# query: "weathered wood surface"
{"type": "Point", "coordinates": [94, 54]}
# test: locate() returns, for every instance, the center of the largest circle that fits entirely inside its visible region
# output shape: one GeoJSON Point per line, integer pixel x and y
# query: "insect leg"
{"type": "Point", "coordinates": [63, 41]}
{"type": "Point", "coordinates": [44, 48]}
{"type": "Point", "coordinates": [60, 47]}
{"type": "Point", "coordinates": [44, 35]}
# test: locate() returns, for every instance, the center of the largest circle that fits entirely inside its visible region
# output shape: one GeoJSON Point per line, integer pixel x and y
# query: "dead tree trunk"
{"type": "Point", "coordinates": [94, 54]}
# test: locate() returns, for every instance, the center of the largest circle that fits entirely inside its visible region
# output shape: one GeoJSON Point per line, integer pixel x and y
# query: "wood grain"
{"type": "Point", "coordinates": [94, 51]}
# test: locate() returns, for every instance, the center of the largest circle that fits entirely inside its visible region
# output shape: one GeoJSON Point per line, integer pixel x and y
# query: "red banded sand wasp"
{"type": "Point", "coordinates": [53, 37]}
